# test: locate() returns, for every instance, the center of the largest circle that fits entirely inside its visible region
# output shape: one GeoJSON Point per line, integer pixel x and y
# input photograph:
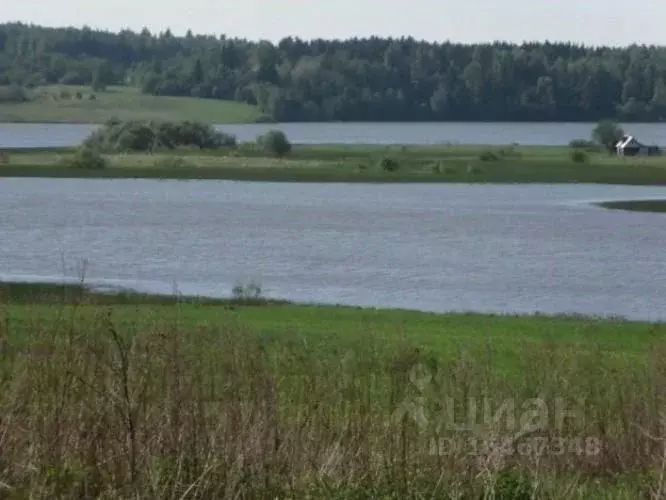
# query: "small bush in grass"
{"type": "Point", "coordinates": [87, 158]}
{"type": "Point", "coordinates": [578, 156]}
{"type": "Point", "coordinates": [489, 156]}
{"type": "Point", "coordinates": [436, 168]}
{"type": "Point", "coordinates": [274, 142]}
{"type": "Point", "coordinates": [388, 164]}
{"type": "Point", "coordinates": [4, 158]}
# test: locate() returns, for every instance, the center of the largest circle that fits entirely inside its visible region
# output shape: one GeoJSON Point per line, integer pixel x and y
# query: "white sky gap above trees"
{"type": "Point", "coordinates": [593, 22]}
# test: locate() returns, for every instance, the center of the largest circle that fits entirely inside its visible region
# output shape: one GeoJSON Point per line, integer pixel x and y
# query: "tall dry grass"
{"type": "Point", "coordinates": [105, 409]}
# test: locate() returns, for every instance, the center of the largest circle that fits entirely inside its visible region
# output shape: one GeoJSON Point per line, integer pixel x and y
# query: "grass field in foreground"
{"type": "Point", "coordinates": [144, 397]}
{"type": "Point", "coordinates": [59, 104]}
{"type": "Point", "coordinates": [359, 163]}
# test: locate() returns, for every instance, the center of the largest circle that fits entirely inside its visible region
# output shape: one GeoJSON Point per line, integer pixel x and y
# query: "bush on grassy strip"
{"type": "Point", "coordinates": [489, 156]}
{"type": "Point", "coordinates": [86, 158]}
{"type": "Point", "coordinates": [389, 164]}
{"type": "Point", "coordinates": [274, 142]}
{"type": "Point", "coordinates": [141, 136]}
{"type": "Point", "coordinates": [188, 133]}
{"type": "Point", "coordinates": [4, 158]}
{"type": "Point", "coordinates": [578, 156]}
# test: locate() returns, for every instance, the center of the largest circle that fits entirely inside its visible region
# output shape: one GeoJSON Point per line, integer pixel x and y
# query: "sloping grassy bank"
{"type": "Point", "coordinates": [329, 163]}
{"type": "Point", "coordinates": [79, 104]}
{"type": "Point", "coordinates": [155, 399]}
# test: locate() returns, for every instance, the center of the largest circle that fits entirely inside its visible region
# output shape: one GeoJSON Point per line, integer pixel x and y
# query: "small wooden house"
{"type": "Point", "coordinates": [630, 146]}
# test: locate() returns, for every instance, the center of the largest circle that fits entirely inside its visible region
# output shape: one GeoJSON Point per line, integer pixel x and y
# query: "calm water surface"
{"type": "Point", "coordinates": [485, 248]}
{"type": "Point", "coordinates": [43, 135]}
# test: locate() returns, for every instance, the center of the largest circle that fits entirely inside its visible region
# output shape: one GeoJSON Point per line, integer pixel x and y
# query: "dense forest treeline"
{"type": "Point", "coordinates": [371, 79]}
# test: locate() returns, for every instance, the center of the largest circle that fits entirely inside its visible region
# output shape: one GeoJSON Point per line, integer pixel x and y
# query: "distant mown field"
{"type": "Point", "coordinates": [74, 104]}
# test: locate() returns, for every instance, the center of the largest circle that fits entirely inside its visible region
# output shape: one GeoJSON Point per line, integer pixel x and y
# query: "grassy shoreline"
{"type": "Point", "coordinates": [141, 396]}
{"type": "Point", "coordinates": [355, 163]}
{"type": "Point", "coordinates": [68, 293]}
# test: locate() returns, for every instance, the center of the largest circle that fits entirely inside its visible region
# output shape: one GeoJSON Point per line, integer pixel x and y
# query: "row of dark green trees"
{"type": "Point", "coordinates": [373, 79]}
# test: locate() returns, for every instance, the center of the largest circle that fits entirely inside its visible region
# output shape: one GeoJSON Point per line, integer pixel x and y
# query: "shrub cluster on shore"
{"type": "Point", "coordinates": [118, 136]}
{"type": "Point", "coordinates": [135, 136]}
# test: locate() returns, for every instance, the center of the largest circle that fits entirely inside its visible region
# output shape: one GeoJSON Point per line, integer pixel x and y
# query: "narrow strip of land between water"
{"type": "Point", "coordinates": [332, 163]}
{"type": "Point", "coordinates": [654, 206]}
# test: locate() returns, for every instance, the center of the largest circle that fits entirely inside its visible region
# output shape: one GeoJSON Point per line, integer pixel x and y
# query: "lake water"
{"type": "Point", "coordinates": [489, 248]}
{"type": "Point", "coordinates": [539, 134]}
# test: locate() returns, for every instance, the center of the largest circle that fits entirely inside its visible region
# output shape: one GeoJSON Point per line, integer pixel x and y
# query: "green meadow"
{"type": "Point", "coordinates": [127, 395]}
